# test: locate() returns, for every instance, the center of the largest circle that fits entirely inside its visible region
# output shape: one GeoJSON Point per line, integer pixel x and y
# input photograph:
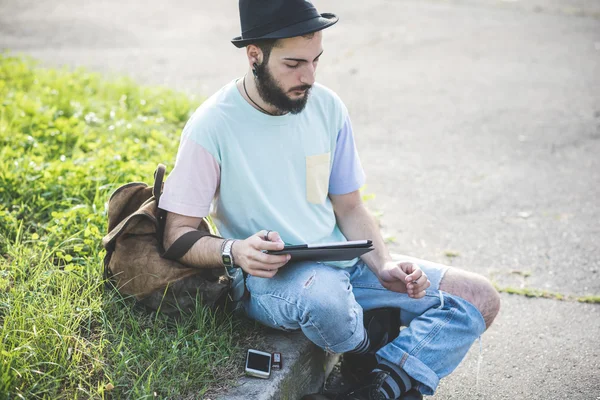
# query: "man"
{"type": "Point", "coordinates": [274, 154]}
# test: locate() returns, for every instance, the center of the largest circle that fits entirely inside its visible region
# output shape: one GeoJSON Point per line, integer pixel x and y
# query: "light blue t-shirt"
{"type": "Point", "coordinates": [266, 172]}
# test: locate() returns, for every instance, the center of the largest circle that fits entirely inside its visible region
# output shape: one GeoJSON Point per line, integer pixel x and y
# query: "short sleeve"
{"type": "Point", "coordinates": [191, 186]}
{"type": "Point", "coordinates": [347, 174]}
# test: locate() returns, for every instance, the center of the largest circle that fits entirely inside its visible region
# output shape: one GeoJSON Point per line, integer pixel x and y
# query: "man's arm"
{"type": "Point", "coordinates": [356, 223]}
{"type": "Point", "coordinates": [206, 252]}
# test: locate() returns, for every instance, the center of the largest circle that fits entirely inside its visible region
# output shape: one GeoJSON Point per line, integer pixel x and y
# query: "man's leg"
{"type": "Point", "coordinates": [441, 326]}
{"type": "Point", "coordinates": [313, 297]}
{"type": "Point", "coordinates": [475, 289]}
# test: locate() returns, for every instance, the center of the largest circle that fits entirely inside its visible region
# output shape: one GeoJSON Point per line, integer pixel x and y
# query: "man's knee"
{"type": "Point", "coordinates": [318, 300]}
{"type": "Point", "coordinates": [474, 288]}
{"type": "Point", "coordinates": [321, 293]}
{"type": "Point", "coordinates": [328, 291]}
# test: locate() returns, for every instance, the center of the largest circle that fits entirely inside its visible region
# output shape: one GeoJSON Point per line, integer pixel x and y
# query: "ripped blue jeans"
{"type": "Point", "coordinates": [327, 303]}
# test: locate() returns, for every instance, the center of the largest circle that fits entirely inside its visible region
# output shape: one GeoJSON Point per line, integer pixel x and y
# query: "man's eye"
{"type": "Point", "coordinates": [293, 66]}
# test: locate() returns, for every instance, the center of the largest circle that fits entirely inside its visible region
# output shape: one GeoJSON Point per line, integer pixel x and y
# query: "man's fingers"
{"type": "Point", "coordinates": [412, 270]}
{"type": "Point", "coordinates": [393, 274]}
{"type": "Point", "coordinates": [422, 284]}
{"type": "Point", "coordinates": [418, 291]}
{"type": "Point", "coordinates": [420, 281]}
{"type": "Point", "coordinates": [264, 262]}
{"type": "Point", "coordinates": [419, 284]}
{"type": "Point", "coordinates": [419, 295]}
{"type": "Point", "coordinates": [259, 243]}
{"type": "Point", "coordinates": [274, 237]}
{"type": "Point", "coordinates": [270, 259]}
{"type": "Point", "coordinates": [269, 236]}
{"type": "Point", "coordinates": [414, 274]}
{"type": "Point", "coordinates": [416, 280]}
{"type": "Point", "coordinates": [264, 234]}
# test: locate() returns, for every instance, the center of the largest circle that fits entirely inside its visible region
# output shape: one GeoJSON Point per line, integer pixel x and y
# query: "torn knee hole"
{"type": "Point", "coordinates": [310, 280]}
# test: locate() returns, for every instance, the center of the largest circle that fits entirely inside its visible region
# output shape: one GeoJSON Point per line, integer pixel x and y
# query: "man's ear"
{"type": "Point", "coordinates": [254, 54]}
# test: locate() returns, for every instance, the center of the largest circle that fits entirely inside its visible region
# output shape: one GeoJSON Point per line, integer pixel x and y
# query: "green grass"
{"type": "Point", "coordinates": [532, 292]}
{"type": "Point", "coordinates": [451, 254]}
{"type": "Point", "coordinates": [68, 139]}
{"type": "Point", "coordinates": [546, 294]}
{"type": "Point", "coordinates": [589, 299]}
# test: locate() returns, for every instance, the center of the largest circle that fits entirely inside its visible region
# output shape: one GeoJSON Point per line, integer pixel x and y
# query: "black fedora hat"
{"type": "Point", "coordinates": [278, 19]}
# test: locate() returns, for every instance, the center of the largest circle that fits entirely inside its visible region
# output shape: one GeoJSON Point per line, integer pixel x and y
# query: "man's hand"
{"type": "Point", "coordinates": [404, 277]}
{"type": "Point", "coordinates": [249, 254]}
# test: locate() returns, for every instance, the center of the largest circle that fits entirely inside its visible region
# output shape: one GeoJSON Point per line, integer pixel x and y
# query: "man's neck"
{"type": "Point", "coordinates": [251, 95]}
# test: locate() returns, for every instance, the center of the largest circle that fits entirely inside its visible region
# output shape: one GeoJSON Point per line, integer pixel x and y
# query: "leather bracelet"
{"type": "Point", "coordinates": [231, 252]}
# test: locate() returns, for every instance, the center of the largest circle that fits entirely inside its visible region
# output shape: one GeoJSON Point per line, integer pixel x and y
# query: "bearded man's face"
{"type": "Point", "coordinates": [272, 92]}
{"type": "Point", "coordinates": [285, 80]}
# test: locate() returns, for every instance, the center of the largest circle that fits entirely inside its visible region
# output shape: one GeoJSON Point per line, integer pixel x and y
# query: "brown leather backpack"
{"type": "Point", "coordinates": [136, 264]}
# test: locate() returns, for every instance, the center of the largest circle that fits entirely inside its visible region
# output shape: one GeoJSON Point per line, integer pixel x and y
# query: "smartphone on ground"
{"type": "Point", "coordinates": [258, 364]}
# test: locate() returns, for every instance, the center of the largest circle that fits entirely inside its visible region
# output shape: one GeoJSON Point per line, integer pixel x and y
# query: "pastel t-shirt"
{"type": "Point", "coordinates": [251, 171]}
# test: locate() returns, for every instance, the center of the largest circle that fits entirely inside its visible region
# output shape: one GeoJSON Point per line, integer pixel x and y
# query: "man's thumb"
{"type": "Point", "coordinates": [394, 274]}
{"type": "Point", "coordinates": [407, 267]}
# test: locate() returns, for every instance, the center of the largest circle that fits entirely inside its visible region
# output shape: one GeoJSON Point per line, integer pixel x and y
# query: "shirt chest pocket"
{"type": "Point", "coordinates": [317, 177]}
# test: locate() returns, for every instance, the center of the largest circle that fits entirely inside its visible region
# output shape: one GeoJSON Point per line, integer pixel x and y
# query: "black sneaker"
{"type": "Point", "coordinates": [371, 390]}
{"type": "Point", "coordinates": [383, 326]}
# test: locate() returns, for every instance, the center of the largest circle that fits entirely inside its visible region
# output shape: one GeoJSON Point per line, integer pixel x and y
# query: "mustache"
{"type": "Point", "coordinates": [303, 87]}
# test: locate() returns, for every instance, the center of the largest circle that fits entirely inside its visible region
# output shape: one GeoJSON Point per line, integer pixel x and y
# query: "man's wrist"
{"type": "Point", "coordinates": [227, 257]}
{"type": "Point", "coordinates": [379, 265]}
{"type": "Point", "coordinates": [233, 256]}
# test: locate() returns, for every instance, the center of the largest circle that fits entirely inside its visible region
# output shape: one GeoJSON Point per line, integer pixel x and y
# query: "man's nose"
{"type": "Point", "coordinates": [309, 74]}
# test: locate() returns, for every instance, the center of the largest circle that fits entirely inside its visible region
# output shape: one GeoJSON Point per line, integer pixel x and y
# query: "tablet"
{"type": "Point", "coordinates": [337, 251]}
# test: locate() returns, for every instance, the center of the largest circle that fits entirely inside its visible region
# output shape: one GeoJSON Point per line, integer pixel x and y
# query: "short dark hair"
{"type": "Point", "coordinates": [266, 45]}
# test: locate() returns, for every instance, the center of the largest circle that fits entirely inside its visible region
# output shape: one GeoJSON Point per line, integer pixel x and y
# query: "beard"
{"type": "Point", "coordinates": [270, 91]}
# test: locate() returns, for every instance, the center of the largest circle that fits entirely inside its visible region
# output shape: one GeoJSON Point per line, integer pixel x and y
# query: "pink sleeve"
{"type": "Point", "coordinates": [191, 186]}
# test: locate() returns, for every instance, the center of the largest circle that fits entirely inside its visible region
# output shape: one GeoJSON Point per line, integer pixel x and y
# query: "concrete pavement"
{"type": "Point", "coordinates": [478, 124]}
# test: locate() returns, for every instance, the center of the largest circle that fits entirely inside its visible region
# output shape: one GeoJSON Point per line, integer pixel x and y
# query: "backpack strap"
{"type": "Point", "coordinates": [161, 215]}
{"type": "Point", "coordinates": [159, 176]}
{"type": "Point", "coordinates": [185, 241]}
